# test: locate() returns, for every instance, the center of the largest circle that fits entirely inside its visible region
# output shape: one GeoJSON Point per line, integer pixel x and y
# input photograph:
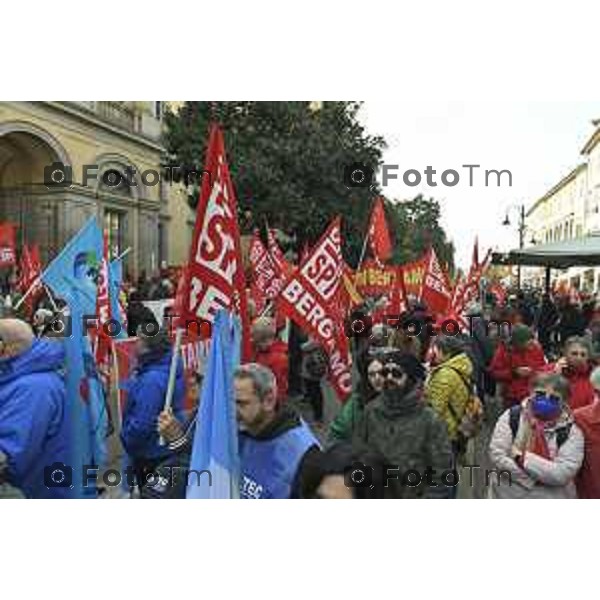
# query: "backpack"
{"type": "Point", "coordinates": [470, 423]}
{"type": "Point", "coordinates": [514, 417]}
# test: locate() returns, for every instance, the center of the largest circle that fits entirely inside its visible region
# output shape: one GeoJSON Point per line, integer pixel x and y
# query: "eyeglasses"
{"type": "Point", "coordinates": [542, 393]}
{"type": "Point", "coordinates": [395, 372]}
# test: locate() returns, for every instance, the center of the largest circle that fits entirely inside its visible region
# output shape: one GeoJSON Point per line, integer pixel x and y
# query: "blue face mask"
{"type": "Point", "coordinates": [546, 406]}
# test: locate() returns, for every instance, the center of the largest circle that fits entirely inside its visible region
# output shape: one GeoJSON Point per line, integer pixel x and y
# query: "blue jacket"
{"type": "Point", "coordinates": [146, 392]}
{"type": "Point", "coordinates": [271, 464]}
{"type": "Point", "coordinates": [34, 432]}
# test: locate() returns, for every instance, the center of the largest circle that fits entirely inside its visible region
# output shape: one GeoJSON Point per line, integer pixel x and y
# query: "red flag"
{"type": "Point", "coordinates": [475, 259]}
{"type": "Point", "coordinates": [267, 274]}
{"type": "Point", "coordinates": [8, 253]}
{"type": "Point", "coordinates": [436, 287]}
{"type": "Point", "coordinates": [499, 292]}
{"type": "Point", "coordinates": [24, 270]}
{"type": "Point", "coordinates": [379, 236]}
{"type": "Point", "coordinates": [277, 254]}
{"type": "Point", "coordinates": [215, 277]}
{"type": "Point", "coordinates": [126, 355]}
{"type": "Point", "coordinates": [311, 299]}
{"type": "Point", "coordinates": [30, 269]}
{"type": "Point", "coordinates": [103, 314]}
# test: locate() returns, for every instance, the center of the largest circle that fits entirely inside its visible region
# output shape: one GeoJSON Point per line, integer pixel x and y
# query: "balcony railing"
{"type": "Point", "coordinates": [121, 115]}
{"type": "Point", "coordinates": [117, 113]}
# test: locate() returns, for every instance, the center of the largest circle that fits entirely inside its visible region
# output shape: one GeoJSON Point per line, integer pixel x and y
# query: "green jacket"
{"type": "Point", "coordinates": [409, 437]}
{"type": "Point", "coordinates": [343, 426]}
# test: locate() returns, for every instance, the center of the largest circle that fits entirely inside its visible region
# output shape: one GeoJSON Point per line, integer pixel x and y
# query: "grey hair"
{"type": "Point", "coordinates": [262, 378]}
{"type": "Point", "coordinates": [595, 378]}
{"type": "Point", "coordinates": [579, 340]}
{"type": "Point", "coordinates": [555, 381]}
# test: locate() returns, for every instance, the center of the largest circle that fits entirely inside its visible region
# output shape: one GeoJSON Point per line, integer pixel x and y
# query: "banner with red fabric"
{"type": "Point", "coordinates": [8, 252]}
{"type": "Point", "coordinates": [499, 292]}
{"type": "Point", "coordinates": [311, 299]}
{"type": "Point", "coordinates": [413, 274]}
{"type": "Point", "coordinates": [268, 277]}
{"type": "Point", "coordinates": [378, 233]}
{"type": "Point", "coordinates": [277, 255]}
{"type": "Point", "coordinates": [215, 275]}
{"type": "Point", "coordinates": [374, 279]}
{"type": "Point", "coordinates": [436, 291]}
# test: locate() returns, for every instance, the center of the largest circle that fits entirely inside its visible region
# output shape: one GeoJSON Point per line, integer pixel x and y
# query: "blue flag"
{"type": "Point", "coordinates": [215, 447]}
{"type": "Point", "coordinates": [73, 276]}
{"type": "Point", "coordinates": [115, 279]}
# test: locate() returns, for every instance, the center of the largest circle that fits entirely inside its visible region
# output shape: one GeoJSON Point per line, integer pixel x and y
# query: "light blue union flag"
{"type": "Point", "coordinates": [215, 447]}
{"type": "Point", "coordinates": [73, 276]}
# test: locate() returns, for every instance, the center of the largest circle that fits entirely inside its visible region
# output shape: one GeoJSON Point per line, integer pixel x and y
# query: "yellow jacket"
{"type": "Point", "coordinates": [445, 386]}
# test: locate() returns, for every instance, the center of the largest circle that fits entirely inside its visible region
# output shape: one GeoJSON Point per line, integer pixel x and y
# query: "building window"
{"type": "Point", "coordinates": [114, 227]}
{"type": "Point", "coordinates": [158, 108]}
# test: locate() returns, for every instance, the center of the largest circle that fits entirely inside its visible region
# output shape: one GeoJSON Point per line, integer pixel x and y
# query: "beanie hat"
{"type": "Point", "coordinates": [408, 363]}
{"type": "Point", "coordinates": [521, 334]}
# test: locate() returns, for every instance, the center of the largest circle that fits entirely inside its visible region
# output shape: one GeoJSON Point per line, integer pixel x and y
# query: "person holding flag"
{"type": "Point", "coordinates": [146, 392]}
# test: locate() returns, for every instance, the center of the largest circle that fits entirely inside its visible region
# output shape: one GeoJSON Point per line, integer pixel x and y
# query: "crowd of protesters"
{"type": "Point", "coordinates": [522, 392]}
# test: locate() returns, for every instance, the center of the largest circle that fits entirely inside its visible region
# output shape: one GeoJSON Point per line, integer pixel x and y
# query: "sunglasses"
{"type": "Point", "coordinates": [395, 372]}
{"type": "Point", "coordinates": [543, 393]}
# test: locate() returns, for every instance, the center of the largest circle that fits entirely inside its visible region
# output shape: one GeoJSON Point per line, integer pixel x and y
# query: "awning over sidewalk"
{"type": "Point", "coordinates": [580, 252]}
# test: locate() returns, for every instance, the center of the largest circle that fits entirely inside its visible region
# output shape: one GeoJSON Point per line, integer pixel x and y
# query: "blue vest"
{"type": "Point", "coordinates": [270, 466]}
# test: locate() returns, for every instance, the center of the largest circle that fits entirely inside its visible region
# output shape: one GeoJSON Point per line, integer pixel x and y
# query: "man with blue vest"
{"type": "Point", "coordinates": [274, 442]}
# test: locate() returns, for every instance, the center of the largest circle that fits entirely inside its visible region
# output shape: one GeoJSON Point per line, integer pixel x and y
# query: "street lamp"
{"type": "Point", "coordinates": [521, 228]}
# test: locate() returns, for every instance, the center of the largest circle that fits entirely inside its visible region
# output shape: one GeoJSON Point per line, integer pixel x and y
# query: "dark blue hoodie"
{"type": "Point", "coordinates": [146, 392]}
{"type": "Point", "coordinates": [33, 428]}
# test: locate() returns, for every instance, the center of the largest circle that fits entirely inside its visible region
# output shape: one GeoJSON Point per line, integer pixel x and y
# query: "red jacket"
{"type": "Point", "coordinates": [506, 360]}
{"type": "Point", "coordinates": [588, 478]}
{"type": "Point", "coordinates": [275, 357]}
{"type": "Point", "coordinates": [581, 392]}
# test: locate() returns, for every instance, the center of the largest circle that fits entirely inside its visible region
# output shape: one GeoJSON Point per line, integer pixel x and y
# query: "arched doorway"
{"type": "Point", "coordinates": [25, 152]}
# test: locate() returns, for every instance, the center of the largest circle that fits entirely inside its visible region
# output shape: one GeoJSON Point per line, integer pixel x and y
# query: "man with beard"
{"type": "Point", "coordinates": [413, 440]}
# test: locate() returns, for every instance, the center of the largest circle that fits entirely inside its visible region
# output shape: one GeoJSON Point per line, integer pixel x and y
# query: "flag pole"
{"type": "Point", "coordinates": [364, 250]}
{"type": "Point", "coordinates": [172, 373]}
{"type": "Point", "coordinates": [27, 293]}
{"type": "Point", "coordinates": [124, 253]}
{"type": "Point", "coordinates": [51, 298]}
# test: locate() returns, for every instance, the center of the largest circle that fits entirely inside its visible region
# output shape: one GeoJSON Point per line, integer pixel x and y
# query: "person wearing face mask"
{"type": "Point", "coordinates": [536, 446]}
{"type": "Point", "coordinates": [576, 367]}
{"type": "Point", "coordinates": [370, 385]}
{"type": "Point", "coordinates": [398, 426]}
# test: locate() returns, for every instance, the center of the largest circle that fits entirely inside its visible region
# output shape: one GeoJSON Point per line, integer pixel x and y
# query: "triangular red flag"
{"type": "Point", "coordinates": [436, 286]}
{"type": "Point", "coordinates": [379, 236]}
{"type": "Point", "coordinates": [215, 277]}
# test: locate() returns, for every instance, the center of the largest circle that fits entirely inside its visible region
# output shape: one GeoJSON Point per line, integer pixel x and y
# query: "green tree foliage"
{"type": "Point", "coordinates": [287, 161]}
{"type": "Point", "coordinates": [416, 226]}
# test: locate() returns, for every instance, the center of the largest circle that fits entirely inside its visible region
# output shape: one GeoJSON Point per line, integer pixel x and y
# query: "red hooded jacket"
{"type": "Point", "coordinates": [503, 365]}
{"type": "Point", "coordinates": [275, 357]}
{"type": "Point", "coordinates": [588, 478]}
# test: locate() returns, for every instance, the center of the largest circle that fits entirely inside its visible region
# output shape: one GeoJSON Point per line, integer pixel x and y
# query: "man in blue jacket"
{"type": "Point", "coordinates": [146, 392]}
{"type": "Point", "coordinates": [33, 427]}
{"type": "Point", "coordinates": [275, 444]}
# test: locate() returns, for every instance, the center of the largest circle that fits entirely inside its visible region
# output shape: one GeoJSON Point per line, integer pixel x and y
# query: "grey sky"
{"type": "Point", "coordinates": [539, 142]}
